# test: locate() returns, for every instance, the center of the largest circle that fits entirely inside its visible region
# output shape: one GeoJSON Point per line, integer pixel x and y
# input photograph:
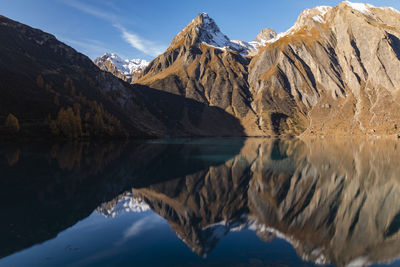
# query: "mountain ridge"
{"type": "Point", "coordinates": [49, 90]}
{"type": "Point", "coordinates": [320, 77]}
{"type": "Point", "coordinates": [335, 72]}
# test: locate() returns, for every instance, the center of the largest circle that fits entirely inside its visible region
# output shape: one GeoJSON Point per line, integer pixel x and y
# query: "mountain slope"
{"type": "Point", "coordinates": [54, 90]}
{"type": "Point", "coordinates": [335, 72]}
{"type": "Point", "coordinates": [48, 89]}
{"type": "Point", "coordinates": [337, 67]}
{"type": "Point", "coordinates": [201, 63]}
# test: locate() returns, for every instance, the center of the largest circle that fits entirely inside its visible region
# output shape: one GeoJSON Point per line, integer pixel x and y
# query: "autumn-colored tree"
{"type": "Point", "coordinates": [68, 124]}
{"type": "Point", "coordinates": [12, 124]}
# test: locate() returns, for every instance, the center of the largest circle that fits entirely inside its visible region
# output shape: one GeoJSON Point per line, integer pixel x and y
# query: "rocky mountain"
{"type": "Point", "coordinates": [334, 200]}
{"type": "Point", "coordinates": [335, 72]}
{"type": "Point", "coordinates": [202, 64]}
{"type": "Point", "coordinates": [47, 89]}
{"type": "Point", "coordinates": [52, 90]}
{"type": "Point", "coordinates": [125, 69]}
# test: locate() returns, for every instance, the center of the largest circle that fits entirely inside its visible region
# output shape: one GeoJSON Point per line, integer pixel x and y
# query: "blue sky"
{"type": "Point", "coordinates": [143, 29]}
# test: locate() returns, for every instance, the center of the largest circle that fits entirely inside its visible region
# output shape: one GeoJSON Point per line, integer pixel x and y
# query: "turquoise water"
{"type": "Point", "coordinates": [201, 202]}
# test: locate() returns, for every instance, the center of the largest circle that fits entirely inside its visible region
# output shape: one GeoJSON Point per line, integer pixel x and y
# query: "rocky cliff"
{"type": "Point", "coordinates": [335, 72]}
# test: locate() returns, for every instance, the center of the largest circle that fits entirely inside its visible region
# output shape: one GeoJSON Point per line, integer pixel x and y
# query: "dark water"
{"type": "Point", "coordinates": [218, 202]}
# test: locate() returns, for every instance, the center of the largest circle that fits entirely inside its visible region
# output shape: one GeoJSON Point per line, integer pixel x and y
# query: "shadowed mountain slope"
{"type": "Point", "coordinates": [52, 90]}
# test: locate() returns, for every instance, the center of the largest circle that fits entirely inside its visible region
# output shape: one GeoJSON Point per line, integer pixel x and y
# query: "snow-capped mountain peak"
{"type": "Point", "coordinates": [122, 68]}
{"type": "Point", "coordinates": [126, 66]}
{"type": "Point", "coordinates": [203, 29]}
{"type": "Point", "coordinates": [211, 34]}
{"type": "Point", "coordinates": [360, 7]}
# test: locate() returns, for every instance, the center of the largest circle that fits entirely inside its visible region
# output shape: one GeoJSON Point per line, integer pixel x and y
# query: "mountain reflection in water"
{"type": "Point", "coordinates": [335, 201]}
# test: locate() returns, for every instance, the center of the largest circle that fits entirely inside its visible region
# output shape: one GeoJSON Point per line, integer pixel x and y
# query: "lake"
{"type": "Point", "coordinates": [201, 202]}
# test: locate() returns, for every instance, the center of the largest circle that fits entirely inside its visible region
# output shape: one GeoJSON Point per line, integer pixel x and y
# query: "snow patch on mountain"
{"type": "Point", "coordinates": [210, 34]}
{"type": "Point", "coordinates": [363, 8]}
{"type": "Point", "coordinates": [317, 14]}
{"type": "Point", "coordinates": [126, 66]}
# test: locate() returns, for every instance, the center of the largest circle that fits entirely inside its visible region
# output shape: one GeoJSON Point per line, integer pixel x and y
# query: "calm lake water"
{"type": "Point", "coordinates": [201, 202]}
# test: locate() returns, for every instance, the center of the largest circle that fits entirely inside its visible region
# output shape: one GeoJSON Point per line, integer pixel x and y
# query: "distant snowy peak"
{"type": "Point", "coordinates": [265, 35]}
{"type": "Point", "coordinates": [261, 39]}
{"type": "Point", "coordinates": [122, 68]}
{"type": "Point", "coordinates": [126, 66]}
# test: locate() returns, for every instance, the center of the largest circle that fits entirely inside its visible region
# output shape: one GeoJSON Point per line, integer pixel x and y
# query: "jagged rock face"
{"type": "Point", "coordinates": [335, 72]}
{"type": "Point", "coordinates": [204, 65]}
{"type": "Point", "coordinates": [126, 70]}
{"type": "Point", "coordinates": [335, 201]}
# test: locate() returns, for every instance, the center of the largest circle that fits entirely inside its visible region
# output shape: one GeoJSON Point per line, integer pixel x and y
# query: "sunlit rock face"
{"type": "Point", "coordinates": [335, 201]}
{"type": "Point", "coordinates": [335, 72]}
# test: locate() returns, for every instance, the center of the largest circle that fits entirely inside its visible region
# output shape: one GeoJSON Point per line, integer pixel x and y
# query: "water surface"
{"type": "Point", "coordinates": [219, 202]}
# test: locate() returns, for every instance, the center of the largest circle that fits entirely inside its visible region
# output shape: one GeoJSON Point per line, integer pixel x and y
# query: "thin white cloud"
{"type": "Point", "coordinates": [145, 46]}
{"type": "Point", "coordinates": [148, 47]}
{"type": "Point", "coordinates": [91, 10]}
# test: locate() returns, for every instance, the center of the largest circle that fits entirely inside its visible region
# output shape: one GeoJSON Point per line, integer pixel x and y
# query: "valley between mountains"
{"type": "Point", "coordinates": [335, 72]}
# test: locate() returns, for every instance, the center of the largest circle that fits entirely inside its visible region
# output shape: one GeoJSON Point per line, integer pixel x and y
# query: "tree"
{"type": "Point", "coordinates": [67, 124]}
{"type": "Point", "coordinates": [12, 124]}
